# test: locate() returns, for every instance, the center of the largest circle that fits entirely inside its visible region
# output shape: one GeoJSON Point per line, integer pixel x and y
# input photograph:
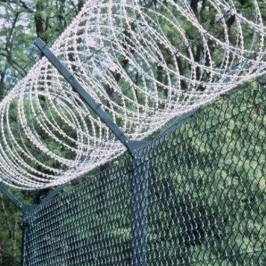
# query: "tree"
{"type": "Point", "coordinates": [22, 22]}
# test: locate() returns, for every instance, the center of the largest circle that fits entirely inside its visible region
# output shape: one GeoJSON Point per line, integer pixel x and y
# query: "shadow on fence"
{"type": "Point", "coordinates": [192, 197]}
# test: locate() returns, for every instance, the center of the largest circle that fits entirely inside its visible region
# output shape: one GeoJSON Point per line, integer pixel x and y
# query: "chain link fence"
{"type": "Point", "coordinates": [194, 196]}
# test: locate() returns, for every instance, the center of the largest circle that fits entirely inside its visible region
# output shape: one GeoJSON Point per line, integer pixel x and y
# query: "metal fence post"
{"type": "Point", "coordinates": [23, 247]}
{"type": "Point", "coordinates": [26, 241]}
{"type": "Point", "coordinates": [27, 256]}
{"type": "Point", "coordinates": [139, 202]}
{"type": "Point", "coordinates": [25, 244]}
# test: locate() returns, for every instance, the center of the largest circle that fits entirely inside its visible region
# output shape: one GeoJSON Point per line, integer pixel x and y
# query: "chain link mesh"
{"type": "Point", "coordinates": [196, 197]}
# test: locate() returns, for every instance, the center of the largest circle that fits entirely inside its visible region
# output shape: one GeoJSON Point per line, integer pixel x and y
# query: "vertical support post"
{"type": "Point", "coordinates": [24, 252]}
{"type": "Point", "coordinates": [28, 256]}
{"type": "Point", "coordinates": [22, 261]}
{"type": "Point", "coordinates": [27, 250]}
{"type": "Point", "coordinates": [139, 202]}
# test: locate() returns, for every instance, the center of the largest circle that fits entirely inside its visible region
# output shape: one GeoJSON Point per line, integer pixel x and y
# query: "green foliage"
{"type": "Point", "coordinates": [10, 233]}
{"type": "Point", "coordinates": [21, 23]}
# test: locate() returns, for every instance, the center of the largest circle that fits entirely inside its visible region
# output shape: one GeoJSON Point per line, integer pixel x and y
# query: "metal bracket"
{"type": "Point", "coordinates": [131, 145]}
{"type": "Point", "coordinates": [12, 197]}
{"type": "Point", "coordinates": [28, 209]}
{"type": "Point", "coordinates": [135, 145]}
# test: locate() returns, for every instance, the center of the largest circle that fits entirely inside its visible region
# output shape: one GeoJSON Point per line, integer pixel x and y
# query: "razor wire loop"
{"type": "Point", "coordinates": [140, 110]}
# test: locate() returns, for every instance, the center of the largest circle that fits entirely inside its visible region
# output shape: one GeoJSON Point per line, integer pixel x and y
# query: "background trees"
{"type": "Point", "coordinates": [21, 23]}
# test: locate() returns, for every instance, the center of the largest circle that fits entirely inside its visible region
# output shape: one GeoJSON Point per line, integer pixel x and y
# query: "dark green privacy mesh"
{"type": "Point", "coordinates": [192, 197]}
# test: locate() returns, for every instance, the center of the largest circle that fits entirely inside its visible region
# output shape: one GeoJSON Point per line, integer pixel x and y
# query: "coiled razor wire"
{"type": "Point", "coordinates": [140, 65]}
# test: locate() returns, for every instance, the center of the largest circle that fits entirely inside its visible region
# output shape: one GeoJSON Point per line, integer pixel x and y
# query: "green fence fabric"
{"type": "Point", "coordinates": [195, 196]}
